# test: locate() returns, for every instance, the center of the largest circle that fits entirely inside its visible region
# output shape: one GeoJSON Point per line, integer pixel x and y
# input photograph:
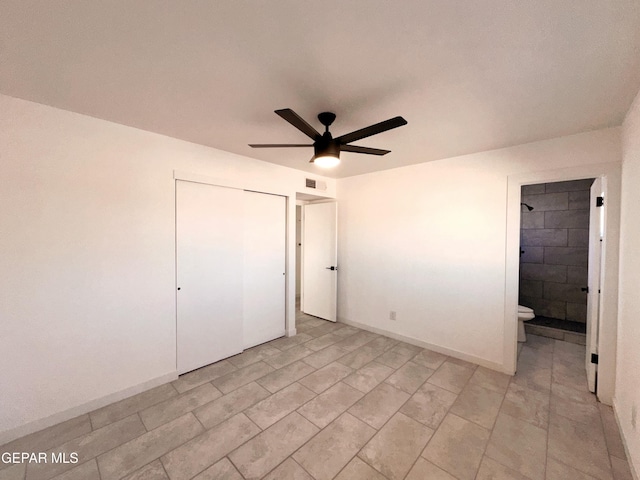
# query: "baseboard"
{"type": "Point", "coordinates": [436, 348]}
{"type": "Point", "coordinates": [37, 425]}
{"type": "Point", "coordinates": [634, 472]}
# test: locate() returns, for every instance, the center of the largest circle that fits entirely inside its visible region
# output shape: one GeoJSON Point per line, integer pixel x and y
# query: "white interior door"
{"type": "Point", "coordinates": [319, 263]}
{"type": "Point", "coordinates": [264, 268]}
{"type": "Point", "coordinates": [596, 219]}
{"type": "Point", "coordinates": [209, 255]}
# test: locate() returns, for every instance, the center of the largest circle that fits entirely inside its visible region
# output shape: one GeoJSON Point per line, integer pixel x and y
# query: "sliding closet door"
{"type": "Point", "coordinates": [209, 250]}
{"type": "Point", "coordinates": [264, 268]}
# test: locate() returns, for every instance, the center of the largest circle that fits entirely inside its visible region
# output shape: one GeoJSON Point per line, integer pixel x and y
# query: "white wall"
{"type": "Point", "coordinates": [428, 241]}
{"type": "Point", "coordinates": [87, 235]}
{"type": "Point", "coordinates": [627, 397]}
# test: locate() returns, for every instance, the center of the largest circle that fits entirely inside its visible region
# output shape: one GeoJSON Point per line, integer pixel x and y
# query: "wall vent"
{"type": "Point", "coordinates": [316, 184]}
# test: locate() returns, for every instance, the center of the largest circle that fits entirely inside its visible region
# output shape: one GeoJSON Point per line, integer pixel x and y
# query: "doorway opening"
{"type": "Point", "coordinates": [316, 260]}
{"type": "Point", "coordinates": [554, 256]}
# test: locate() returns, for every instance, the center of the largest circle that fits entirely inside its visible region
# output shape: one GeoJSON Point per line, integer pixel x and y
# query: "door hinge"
{"type": "Point", "coordinates": [585, 289]}
{"type": "Point", "coordinates": [599, 201]}
{"type": "Point", "coordinates": [594, 358]}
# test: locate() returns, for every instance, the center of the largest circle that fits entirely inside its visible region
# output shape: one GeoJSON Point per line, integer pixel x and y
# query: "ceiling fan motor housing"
{"type": "Point", "coordinates": [326, 145]}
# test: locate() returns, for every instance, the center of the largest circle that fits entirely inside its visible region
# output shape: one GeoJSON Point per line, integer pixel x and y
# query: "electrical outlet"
{"type": "Point", "coordinates": [634, 416]}
{"type": "Point", "coordinates": [392, 315]}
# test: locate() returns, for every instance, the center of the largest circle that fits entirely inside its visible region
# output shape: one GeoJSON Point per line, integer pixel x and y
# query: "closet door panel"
{"type": "Point", "coordinates": [209, 254]}
{"type": "Point", "coordinates": [264, 268]}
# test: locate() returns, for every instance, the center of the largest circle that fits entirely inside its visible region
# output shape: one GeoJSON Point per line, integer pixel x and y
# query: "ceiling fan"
{"type": "Point", "coordinates": [326, 148]}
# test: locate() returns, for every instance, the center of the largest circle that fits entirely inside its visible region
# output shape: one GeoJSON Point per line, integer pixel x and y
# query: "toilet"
{"type": "Point", "coordinates": [524, 314]}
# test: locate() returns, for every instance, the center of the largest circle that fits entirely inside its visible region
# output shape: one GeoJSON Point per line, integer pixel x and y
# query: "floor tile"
{"type": "Point", "coordinates": [151, 471]}
{"type": "Point", "coordinates": [242, 376]}
{"type": "Point", "coordinates": [580, 446]}
{"type": "Point", "coordinates": [285, 376]}
{"type": "Point", "coordinates": [228, 405]}
{"type": "Point", "coordinates": [267, 450]}
{"type": "Point", "coordinates": [287, 343]}
{"type": "Point", "coordinates": [289, 470]}
{"type": "Point", "coordinates": [429, 405]}
{"type": "Point", "coordinates": [124, 408]}
{"type": "Point", "coordinates": [14, 472]}
{"type": "Point", "coordinates": [559, 471]}
{"type": "Point", "coordinates": [621, 470]}
{"type": "Point", "coordinates": [540, 343]}
{"type": "Point", "coordinates": [529, 405]}
{"type": "Point", "coordinates": [570, 377]}
{"type": "Point", "coordinates": [487, 378]}
{"type": "Point", "coordinates": [451, 377]}
{"type": "Point", "coordinates": [361, 356]}
{"type": "Point", "coordinates": [395, 448]}
{"type": "Point", "coordinates": [325, 356]}
{"type": "Point", "coordinates": [379, 405]}
{"type": "Point", "coordinates": [611, 432]}
{"type": "Point", "coordinates": [409, 377]}
{"type": "Point", "coordinates": [478, 405]}
{"type": "Point", "coordinates": [289, 356]}
{"type": "Point", "coordinates": [519, 445]}
{"type": "Point", "coordinates": [322, 342]}
{"type": "Point", "coordinates": [136, 453]}
{"type": "Point", "coordinates": [429, 358]}
{"type": "Point", "coordinates": [368, 377]}
{"type": "Point", "coordinates": [457, 447]}
{"type": "Point", "coordinates": [358, 470]}
{"type": "Point", "coordinates": [578, 396]}
{"type": "Point", "coordinates": [579, 412]}
{"type": "Point", "coordinates": [268, 411]}
{"type": "Point", "coordinates": [253, 355]}
{"type": "Point", "coordinates": [325, 377]}
{"type": "Point", "coordinates": [492, 470]}
{"type": "Point", "coordinates": [208, 448]}
{"type": "Point", "coordinates": [203, 375]}
{"type": "Point", "coordinates": [89, 446]}
{"type": "Point", "coordinates": [48, 438]}
{"type": "Point", "coordinates": [327, 406]}
{"type": "Point", "coordinates": [353, 342]}
{"type": "Point", "coordinates": [331, 449]}
{"type": "Point", "coordinates": [86, 471]}
{"type": "Point", "coordinates": [535, 378]}
{"type": "Point", "coordinates": [397, 356]}
{"type": "Point", "coordinates": [222, 470]}
{"type": "Point", "coordinates": [175, 407]}
{"type": "Point", "coordinates": [424, 470]}
{"type": "Point", "coordinates": [346, 331]}
{"type": "Point", "coordinates": [533, 356]}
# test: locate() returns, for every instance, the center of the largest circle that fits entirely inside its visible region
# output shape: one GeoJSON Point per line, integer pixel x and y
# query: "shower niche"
{"type": "Point", "coordinates": [554, 254]}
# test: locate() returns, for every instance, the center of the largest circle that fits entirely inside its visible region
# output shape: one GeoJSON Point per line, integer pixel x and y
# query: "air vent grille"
{"type": "Point", "coordinates": [310, 183]}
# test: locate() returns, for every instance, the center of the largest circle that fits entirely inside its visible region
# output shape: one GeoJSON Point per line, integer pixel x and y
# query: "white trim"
{"type": "Point", "coordinates": [37, 425]}
{"type": "Point", "coordinates": [610, 173]}
{"type": "Point", "coordinates": [230, 183]}
{"type": "Point", "coordinates": [634, 472]}
{"type": "Point", "coordinates": [419, 343]}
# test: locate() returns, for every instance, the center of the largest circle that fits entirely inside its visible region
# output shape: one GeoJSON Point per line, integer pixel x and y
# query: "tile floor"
{"type": "Point", "coordinates": [338, 402]}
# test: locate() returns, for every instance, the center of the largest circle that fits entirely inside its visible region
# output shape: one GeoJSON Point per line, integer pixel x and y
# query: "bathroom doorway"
{"type": "Point", "coordinates": [561, 228]}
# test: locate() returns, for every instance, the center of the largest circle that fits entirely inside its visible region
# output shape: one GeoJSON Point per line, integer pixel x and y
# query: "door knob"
{"type": "Point", "coordinates": [331, 268]}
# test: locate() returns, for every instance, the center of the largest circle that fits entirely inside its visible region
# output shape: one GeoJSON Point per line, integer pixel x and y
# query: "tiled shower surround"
{"type": "Point", "coordinates": [554, 241]}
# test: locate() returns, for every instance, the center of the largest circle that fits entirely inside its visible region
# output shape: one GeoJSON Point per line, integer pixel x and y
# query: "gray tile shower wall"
{"type": "Point", "coordinates": [554, 241]}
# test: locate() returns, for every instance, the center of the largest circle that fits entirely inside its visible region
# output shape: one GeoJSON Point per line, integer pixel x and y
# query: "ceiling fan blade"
{"type": "Point", "coordinates": [297, 121]}
{"type": "Point", "coordinates": [367, 150]}
{"type": "Point", "coordinates": [372, 130]}
{"type": "Point", "coordinates": [279, 145]}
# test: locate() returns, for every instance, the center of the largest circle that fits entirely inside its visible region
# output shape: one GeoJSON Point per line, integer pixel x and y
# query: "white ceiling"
{"type": "Point", "coordinates": [468, 75]}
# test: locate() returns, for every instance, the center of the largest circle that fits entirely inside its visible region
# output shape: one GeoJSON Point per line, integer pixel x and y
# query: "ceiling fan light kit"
{"type": "Point", "coordinates": [326, 148]}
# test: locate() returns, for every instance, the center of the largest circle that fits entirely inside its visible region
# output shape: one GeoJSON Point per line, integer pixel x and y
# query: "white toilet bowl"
{"type": "Point", "coordinates": [524, 314]}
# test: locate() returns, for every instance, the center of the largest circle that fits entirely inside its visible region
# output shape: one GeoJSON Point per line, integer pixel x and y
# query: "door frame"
{"type": "Point", "coordinates": [610, 174]}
